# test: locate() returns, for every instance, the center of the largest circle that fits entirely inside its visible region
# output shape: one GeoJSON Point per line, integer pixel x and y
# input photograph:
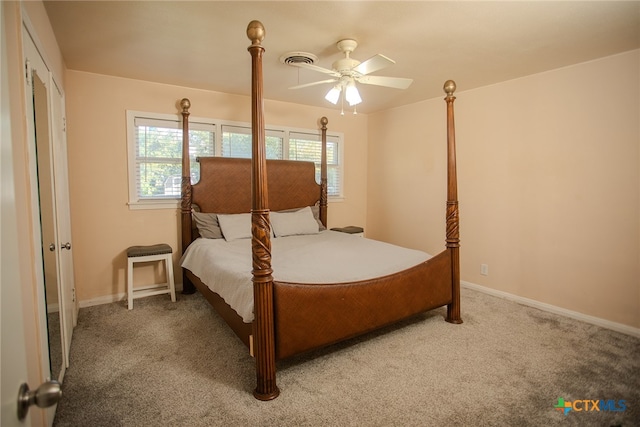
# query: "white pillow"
{"type": "Point", "coordinates": [235, 226]}
{"type": "Point", "coordinates": [294, 223]}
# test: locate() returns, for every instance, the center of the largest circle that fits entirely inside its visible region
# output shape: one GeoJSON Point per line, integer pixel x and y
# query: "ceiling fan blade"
{"type": "Point", "coordinates": [315, 68]}
{"type": "Point", "coordinates": [373, 64]}
{"type": "Point", "coordinates": [394, 82]}
{"type": "Point", "coordinates": [313, 84]}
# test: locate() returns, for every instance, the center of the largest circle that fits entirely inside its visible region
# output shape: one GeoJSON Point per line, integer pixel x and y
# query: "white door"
{"type": "Point", "coordinates": [13, 355]}
{"type": "Point", "coordinates": [68, 307]}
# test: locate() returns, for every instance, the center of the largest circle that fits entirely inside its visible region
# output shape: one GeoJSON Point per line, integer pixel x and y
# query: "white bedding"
{"type": "Point", "coordinates": [326, 257]}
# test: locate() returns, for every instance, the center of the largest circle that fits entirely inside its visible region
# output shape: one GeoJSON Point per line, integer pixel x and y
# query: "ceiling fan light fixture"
{"type": "Point", "coordinates": [352, 95]}
{"type": "Point", "coordinates": [333, 95]}
{"type": "Point", "coordinates": [345, 73]}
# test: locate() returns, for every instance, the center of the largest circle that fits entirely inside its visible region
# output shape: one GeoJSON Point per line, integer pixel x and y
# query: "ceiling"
{"type": "Point", "coordinates": [203, 44]}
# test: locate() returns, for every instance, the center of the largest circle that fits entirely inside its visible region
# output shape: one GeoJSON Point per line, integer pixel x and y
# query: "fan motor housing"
{"type": "Point", "coordinates": [345, 65]}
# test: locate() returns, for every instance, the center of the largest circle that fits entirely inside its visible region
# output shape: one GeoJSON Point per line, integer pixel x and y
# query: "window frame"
{"type": "Point", "coordinates": [135, 202]}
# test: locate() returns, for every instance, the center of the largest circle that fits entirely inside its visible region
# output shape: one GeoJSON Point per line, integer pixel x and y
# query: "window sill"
{"type": "Point", "coordinates": [154, 204]}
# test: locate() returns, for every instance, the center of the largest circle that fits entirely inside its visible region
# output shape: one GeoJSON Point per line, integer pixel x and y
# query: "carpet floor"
{"type": "Point", "coordinates": [178, 364]}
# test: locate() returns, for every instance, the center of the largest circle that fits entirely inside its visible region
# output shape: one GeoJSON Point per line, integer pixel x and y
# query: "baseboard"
{"type": "Point", "coordinates": [108, 299]}
{"type": "Point", "coordinates": [53, 308]}
{"type": "Point", "coordinates": [618, 327]}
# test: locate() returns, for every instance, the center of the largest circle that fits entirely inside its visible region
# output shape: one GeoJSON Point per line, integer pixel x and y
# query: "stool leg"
{"type": "Point", "coordinates": [129, 283]}
{"type": "Point", "coordinates": [170, 281]}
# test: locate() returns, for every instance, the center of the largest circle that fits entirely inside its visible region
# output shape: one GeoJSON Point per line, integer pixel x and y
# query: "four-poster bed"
{"type": "Point", "coordinates": [294, 316]}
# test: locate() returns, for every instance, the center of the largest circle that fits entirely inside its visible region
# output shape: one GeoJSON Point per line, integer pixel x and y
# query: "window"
{"type": "Point", "coordinates": [155, 157]}
{"type": "Point", "coordinates": [155, 153]}
{"type": "Point", "coordinates": [236, 142]}
{"type": "Point", "coordinates": [308, 147]}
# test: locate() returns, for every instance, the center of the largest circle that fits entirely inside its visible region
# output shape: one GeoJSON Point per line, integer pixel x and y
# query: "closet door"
{"type": "Point", "coordinates": [51, 212]}
{"type": "Point", "coordinates": [68, 307]}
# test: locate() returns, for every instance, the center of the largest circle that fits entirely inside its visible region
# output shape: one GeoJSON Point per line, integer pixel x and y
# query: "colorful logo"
{"type": "Point", "coordinates": [589, 405]}
{"type": "Point", "coordinates": [563, 406]}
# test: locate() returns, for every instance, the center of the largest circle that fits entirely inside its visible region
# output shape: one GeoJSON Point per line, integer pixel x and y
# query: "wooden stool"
{"type": "Point", "coordinates": [161, 252]}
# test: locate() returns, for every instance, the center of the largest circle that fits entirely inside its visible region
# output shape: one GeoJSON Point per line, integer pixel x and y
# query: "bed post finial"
{"type": "Point", "coordinates": [453, 221]}
{"type": "Point", "coordinates": [255, 32]}
{"type": "Point", "coordinates": [185, 104]}
{"type": "Point", "coordinates": [449, 88]}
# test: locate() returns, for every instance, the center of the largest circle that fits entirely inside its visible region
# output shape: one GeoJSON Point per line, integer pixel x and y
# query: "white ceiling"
{"type": "Point", "coordinates": [203, 44]}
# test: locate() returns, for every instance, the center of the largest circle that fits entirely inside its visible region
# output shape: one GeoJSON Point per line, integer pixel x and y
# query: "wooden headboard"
{"type": "Point", "coordinates": [225, 185]}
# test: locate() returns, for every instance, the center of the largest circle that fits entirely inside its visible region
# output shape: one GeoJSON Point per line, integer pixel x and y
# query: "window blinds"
{"type": "Point", "coordinates": [158, 155]}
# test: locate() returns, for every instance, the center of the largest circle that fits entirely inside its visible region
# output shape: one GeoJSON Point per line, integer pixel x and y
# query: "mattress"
{"type": "Point", "coordinates": [323, 258]}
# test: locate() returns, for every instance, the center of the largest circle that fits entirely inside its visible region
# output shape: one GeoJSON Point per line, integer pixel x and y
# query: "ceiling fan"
{"type": "Point", "coordinates": [346, 72]}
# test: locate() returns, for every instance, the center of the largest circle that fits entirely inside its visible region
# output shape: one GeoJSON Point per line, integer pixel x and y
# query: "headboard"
{"type": "Point", "coordinates": [225, 185]}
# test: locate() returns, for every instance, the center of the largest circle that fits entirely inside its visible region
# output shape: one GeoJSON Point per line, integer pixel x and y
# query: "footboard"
{"type": "Point", "coordinates": [312, 316]}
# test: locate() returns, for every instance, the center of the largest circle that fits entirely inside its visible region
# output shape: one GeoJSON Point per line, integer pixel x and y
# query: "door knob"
{"type": "Point", "coordinates": [66, 246]}
{"type": "Point", "coordinates": [48, 394]}
{"type": "Point", "coordinates": [52, 247]}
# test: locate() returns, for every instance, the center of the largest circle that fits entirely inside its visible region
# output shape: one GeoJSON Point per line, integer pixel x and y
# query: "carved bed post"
{"type": "Point", "coordinates": [185, 192]}
{"type": "Point", "coordinates": [263, 326]}
{"type": "Point", "coordinates": [323, 173]}
{"type": "Point", "coordinates": [453, 236]}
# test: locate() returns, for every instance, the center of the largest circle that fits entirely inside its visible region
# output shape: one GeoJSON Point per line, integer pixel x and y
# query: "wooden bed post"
{"type": "Point", "coordinates": [453, 221]}
{"type": "Point", "coordinates": [323, 173]}
{"type": "Point", "coordinates": [185, 192]}
{"type": "Point", "coordinates": [263, 325]}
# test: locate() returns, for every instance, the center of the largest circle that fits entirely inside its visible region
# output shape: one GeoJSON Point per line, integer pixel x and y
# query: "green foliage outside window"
{"type": "Point", "coordinates": [159, 158]}
{"type": "Point", "coordinates": [239, 145]}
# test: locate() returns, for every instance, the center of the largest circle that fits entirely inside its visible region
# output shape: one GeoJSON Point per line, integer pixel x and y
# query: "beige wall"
{"type": "Point", "coordinates": [549, 184]}
{"type": "Point", "coordinates": [103, 226]}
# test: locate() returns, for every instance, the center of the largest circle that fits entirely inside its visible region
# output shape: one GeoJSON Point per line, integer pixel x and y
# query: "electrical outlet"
{"type": "Point", "coordinates": [484, 269]}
